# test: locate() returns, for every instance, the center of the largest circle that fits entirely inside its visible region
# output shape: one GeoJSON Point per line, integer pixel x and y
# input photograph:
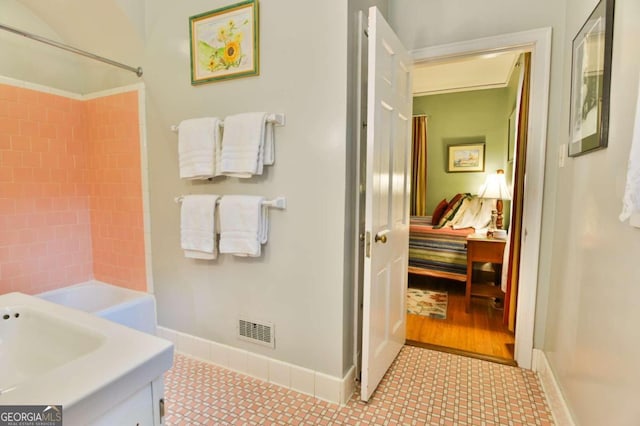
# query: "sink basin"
{"type": "Point", "coordinates": [33, 343]}
{"type": "Point", "coordinates": [54, 355]}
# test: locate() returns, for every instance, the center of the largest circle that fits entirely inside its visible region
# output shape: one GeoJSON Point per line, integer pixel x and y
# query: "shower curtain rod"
{"type": "Point", "coordinates": [137, 71]}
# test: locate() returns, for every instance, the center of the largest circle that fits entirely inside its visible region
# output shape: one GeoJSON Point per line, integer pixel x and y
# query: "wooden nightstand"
{"type": "Point", "coordinates": [482, 249]}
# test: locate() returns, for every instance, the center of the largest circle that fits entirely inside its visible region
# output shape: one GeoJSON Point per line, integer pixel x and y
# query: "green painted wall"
{"type": "Point", "coordinates": [463, 117]}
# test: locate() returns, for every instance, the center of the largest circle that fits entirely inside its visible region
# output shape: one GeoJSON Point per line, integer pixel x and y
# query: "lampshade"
{"type": "Point", "coordinates": [495, 187]}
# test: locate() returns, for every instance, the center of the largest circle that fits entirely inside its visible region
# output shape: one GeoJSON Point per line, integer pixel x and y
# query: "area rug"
{"type": "Point", "coordinates": [428, 303]}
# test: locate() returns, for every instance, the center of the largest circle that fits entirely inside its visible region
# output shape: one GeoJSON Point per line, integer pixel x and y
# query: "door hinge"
{"type": "Point", "coordinates": [367, 244]}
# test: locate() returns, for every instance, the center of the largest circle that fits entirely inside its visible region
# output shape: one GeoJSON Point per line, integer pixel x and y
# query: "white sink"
{"type": "Point", "coordinates": [33, 343]}
{"type": "Point", "coordinates": [53, 355]}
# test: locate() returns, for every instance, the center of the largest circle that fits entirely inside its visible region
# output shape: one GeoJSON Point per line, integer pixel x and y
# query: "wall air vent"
{"type": "Point", "coordinates": [261, 333]}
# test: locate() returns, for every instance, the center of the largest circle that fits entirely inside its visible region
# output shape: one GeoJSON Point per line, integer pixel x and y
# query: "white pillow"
{"type": "Point", "coordinates": [483, 218]}
{"type": "Point", "coordinates": [468, 216]}
{"type": "Point", "coordinates": [464, 206]}
{"type": "Point", "coordinates": [477, 214]}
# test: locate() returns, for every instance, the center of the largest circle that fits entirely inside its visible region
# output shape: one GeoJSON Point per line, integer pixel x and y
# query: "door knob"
{"type": "Point", "coordinates": [382, 237]}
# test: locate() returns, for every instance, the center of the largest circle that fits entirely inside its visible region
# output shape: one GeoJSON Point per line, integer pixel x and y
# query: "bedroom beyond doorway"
{"type": "Point", "coordinates": [482, 116]}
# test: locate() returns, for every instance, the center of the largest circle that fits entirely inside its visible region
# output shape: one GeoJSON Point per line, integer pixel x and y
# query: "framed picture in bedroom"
{"type": "Point", "coordinates": [468, 157]}
{"type": "Point", "coordinates": [224, 43]}
{"type": "Point", "coordinates": [591, 81]}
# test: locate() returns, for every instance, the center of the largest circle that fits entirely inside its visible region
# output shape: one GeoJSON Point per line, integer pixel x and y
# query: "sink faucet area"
{"type": "Point", "coordinates": [99, 371]}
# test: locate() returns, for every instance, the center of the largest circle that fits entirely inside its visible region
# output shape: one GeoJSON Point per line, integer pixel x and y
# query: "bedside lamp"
{"type": "Point", "coordinates": [495, 188]}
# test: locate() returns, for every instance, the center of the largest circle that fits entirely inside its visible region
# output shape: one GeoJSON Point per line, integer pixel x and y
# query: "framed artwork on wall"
{"type": "Point", "coordinates": [591, 81]}
{"type": "Point", "coordinates": [224, 43]}
{"type": "Point", "coordinates": [468, 157]}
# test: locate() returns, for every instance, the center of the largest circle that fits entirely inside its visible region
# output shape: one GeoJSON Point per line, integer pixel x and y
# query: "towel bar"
{"type": "Point", "coordinates": [276, 203]}
{"type": "Point", "coordinates": [277, 119]}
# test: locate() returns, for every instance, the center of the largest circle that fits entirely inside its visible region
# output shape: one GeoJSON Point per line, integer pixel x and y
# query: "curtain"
{"type": "Point", "coordinates": [419, 167]}
{"type": "Point", "coordinates": [520, 156]}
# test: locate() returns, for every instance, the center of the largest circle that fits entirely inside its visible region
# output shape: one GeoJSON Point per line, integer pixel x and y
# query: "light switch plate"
{"type": "Point", "coordinates": [634, 220]}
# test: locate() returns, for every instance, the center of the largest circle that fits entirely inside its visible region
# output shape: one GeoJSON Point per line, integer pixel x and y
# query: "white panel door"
{"type": "Point", "coordinates": [389, 104]}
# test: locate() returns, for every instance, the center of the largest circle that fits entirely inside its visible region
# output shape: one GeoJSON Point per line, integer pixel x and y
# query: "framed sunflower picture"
{"type": "Point", "coordinates": [224, 43]}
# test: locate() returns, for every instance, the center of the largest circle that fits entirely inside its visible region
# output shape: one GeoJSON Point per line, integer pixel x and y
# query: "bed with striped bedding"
{"type": "Point", "coordinates": [437, 252]}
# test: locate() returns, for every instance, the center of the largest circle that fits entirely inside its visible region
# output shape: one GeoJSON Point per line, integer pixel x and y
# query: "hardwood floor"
{"type": "Point", "coordinates": [480, 331]}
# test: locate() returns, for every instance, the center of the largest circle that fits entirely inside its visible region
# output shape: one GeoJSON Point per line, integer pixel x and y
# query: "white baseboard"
{"type": "Point", "coordinates": [319, 385]}
{"type": "Point", "coordinates": [555, 399]}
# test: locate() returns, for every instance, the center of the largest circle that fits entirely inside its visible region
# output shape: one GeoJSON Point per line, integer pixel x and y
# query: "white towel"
{"type": "Point", "coordinates": [631, 198]}
{"type": "Point", "coordinates": [197, 226]}
{"type": "Point", "coordinates": [198, 143]}
{"type": "Point", "coordinates": [245, 141]}
{"type": "Point", "coordinates": [244, 225]}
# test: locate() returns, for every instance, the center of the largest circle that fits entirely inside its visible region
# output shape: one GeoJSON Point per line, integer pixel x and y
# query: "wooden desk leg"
{"type": "Point", "coordinates": [467, 293]}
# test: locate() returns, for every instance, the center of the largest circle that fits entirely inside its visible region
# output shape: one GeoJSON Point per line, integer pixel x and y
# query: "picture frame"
{"type": "Point", "coordinates": [468, 157]}
{"type": "Point", "coordinates": [224, 43]}
{"type": "Point", "coordinates": [591, 81]}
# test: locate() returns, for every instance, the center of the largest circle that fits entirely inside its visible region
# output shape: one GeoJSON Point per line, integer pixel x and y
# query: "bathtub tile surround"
{"type": "Point", "coordinates": [117, 230]}
{"type": "Point", "coordinates": [71, 202]}
{"type": "Point", "coordinates": [45, 238]}
{"type": "Point", "coordinates": [421, 387]}
{"type": "Point", "coordinates": [303, 380]}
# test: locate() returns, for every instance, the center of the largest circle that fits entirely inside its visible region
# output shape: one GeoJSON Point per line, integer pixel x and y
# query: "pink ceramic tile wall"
{"type": "Point", "coordinates": [114, 175]}
{"type": "Point", "coordinates": [50, 164]}
{"type": "Point", "coordinates": [45, 235]}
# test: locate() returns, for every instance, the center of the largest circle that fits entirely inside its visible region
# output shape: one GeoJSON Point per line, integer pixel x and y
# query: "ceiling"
{"type": "Point", "coordinates": [486, 71]}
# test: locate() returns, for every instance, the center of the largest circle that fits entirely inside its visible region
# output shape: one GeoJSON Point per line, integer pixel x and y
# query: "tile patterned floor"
{"type": "Point", "coordinates": [422, 387]}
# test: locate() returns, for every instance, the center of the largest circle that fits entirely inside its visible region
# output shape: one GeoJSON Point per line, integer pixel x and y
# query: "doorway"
{"type": "Point", "coordinates": [538, 42]}
{"type": "Point", "coordinates": [470, 103]}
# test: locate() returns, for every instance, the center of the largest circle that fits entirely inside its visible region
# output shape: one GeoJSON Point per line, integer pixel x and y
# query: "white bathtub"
{"type": "Point", "coordinates": [134, 309]}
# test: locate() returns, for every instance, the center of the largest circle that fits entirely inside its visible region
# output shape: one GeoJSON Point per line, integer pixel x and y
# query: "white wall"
{"type": "Point", "coordinates": [593, 339]}
{"type": "Point", "coordinates": [298, 282]}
